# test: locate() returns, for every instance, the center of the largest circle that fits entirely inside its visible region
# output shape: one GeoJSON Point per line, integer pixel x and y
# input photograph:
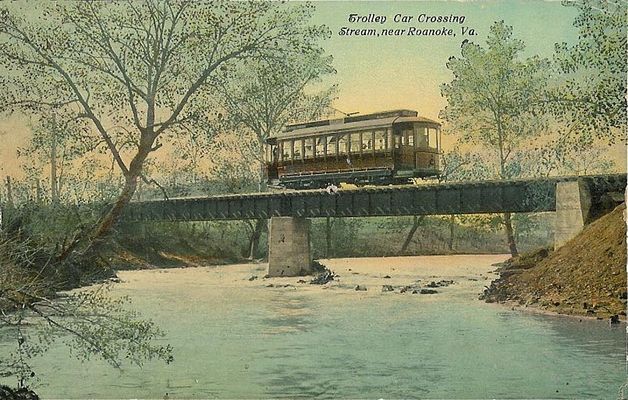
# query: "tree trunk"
{"type": "Point", "coordinates": [38, 194]}
{"type": "Point", "coordinates": [140, 186]}
{"type": "Point", "coordinates": [452, 228]}
{"type": "Point", "coordinates": [255, 236]}
{"type": "Point", "coordinates": [54, 188]}
{"type": "Point", "coordinates": [415, 225]}
{"type": "Point", "coordinates": [9, 192]}
{"type": "Point", "coordinates": [510, 236]}
{"type": "Point", "coordinates": [106, 222]}
{"type": "Point", "coordinates": [328, 237]}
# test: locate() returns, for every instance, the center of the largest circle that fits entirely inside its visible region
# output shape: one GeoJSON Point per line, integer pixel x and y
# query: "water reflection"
{"type": "Point", "coordinates": [286, 313]}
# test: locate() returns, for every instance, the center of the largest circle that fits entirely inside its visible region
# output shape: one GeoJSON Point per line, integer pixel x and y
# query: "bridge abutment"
{"type": "Point", "coordinates": [573, 203]}
{"type": "Point", "coordinates": [289, 247]}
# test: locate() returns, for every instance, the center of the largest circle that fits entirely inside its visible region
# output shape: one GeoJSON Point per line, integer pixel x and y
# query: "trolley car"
{"type": "Point", "coordinates": [381, 148]}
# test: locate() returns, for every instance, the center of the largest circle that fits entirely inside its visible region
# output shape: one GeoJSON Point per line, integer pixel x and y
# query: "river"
{"type": "Point", "coordinates": [238, 338]}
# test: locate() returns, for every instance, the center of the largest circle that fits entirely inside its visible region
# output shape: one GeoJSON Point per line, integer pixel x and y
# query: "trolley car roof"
{"type": "Point", "coordinates": [340, 126]}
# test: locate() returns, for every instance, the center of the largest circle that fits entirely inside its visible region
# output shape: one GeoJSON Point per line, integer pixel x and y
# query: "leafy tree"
{"type": "Point", "coordinates": [264, 98]}
{"type": "Point", "coordinates": [89, 322]}
{"type": "Point", "coordinates": [55, 143]}
{"type": "Point", "coordinates": [140, 73]}
{"type": "Point", "coordinates": [268, 95]}
{"type": "Point", "coordinates": [492, 97]}
{"type": "Point", "coordinates": [591, 97]}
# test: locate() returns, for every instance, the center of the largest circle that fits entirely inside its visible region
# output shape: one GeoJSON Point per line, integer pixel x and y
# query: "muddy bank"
{"type": "Point", "coordinates": [585, 277]}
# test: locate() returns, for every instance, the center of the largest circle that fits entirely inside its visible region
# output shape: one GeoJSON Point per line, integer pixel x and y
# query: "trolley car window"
{"type": "Point", "coordinates": [355, 143]}
{"type": "Point", "coordinates": [287, 150]}
{"type": "Point", "coordinates": [297, 149]}
{"type": "Point", "coordinates": [331, 145]}
{"type": "Point", "coordinates": [309, 147]}
{"type": "Point", "coordinates": [380, 140]}
{"type": "Point", "coordinates": [421, 136]}
{"type": "Point", "coordinates": [343, 140]}
{"type": "Point", "coordinates": [431, 137]}
{"type": "Point", "coordinates": [367, 140]}
{"type": "Point", "coordinates": [407, 137]}
{"type": "Point", "coordinates": [320, 146]}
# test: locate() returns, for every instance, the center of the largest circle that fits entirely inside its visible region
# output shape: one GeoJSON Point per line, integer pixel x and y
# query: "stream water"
{"type": "Point", "coordinates": [235, 338]}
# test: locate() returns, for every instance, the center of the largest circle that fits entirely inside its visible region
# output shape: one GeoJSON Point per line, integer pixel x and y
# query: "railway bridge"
{"type": "Point", "coordinates": [576, 200]}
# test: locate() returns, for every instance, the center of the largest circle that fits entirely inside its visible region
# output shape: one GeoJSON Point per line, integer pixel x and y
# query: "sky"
{"type": "Point", "coordinates": [384, 73]}
{"type": "Point", "coordinates": [381, 73]}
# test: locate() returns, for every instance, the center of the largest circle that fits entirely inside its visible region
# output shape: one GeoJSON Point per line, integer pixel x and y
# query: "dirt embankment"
{"type": "Point", "coordinates": [586, 276]}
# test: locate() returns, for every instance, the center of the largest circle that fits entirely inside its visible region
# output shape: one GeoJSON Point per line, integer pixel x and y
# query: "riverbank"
{"type": "Point", "coordinates": [586, 277]}
{"type": "Point", "coordinates": [369, 277]}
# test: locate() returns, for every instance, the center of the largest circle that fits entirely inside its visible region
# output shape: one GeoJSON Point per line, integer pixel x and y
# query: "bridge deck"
{"type": "Point", "coordinates": [521, 195]}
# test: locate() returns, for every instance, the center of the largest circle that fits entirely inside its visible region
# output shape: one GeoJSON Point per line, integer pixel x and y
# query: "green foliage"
{"type": "Point", "coordinates": [261, 98]}
{"type": "Point", "coordinates": [140, 73]}
{"type": "Point", "coordinates": [344, 233]}
{"type": "Point", "coordinates": [491, 98]}
{"type": "Point", "coordinates": [464, 166]}
{"type": "Point", "coordinates": [92, 322]}
{"type": "Point", "coordinates": [591, 98]}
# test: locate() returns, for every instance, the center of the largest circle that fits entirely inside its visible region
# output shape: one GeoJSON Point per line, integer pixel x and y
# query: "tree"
{"type": "Point", "coordinates": [57, 140]}
{"type": "Point", "coordinates": [591, 96]}
{"type": "Point", "coordinates": [268, 95]}
{"type": "Point", "coordinates": [492, 97]}
{"type": "Point", "coordinates": [89, 322]}
{"type": "Point", "coordinates": [461, 166]}
{"type": "Point", "coordinates": [140, 73]}
{"type": "Point", "coordinates": [264, 98]}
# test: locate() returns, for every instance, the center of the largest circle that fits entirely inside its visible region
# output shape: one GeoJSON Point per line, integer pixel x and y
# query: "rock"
{"type": "Point", "coordinates": [323, 278]}
{"type": "Point", "coordinates": [301, 281]}
{"type": "Point", "coordinates": [360, 288]}
{"type": "Point", "coordinates": [387, 277]}
{"type": "Point", "coordinates": [17, 394]}
{"type": "Point", "coordinates": [387, 288]}
{"type": "Point", "coordinates": [441, 283]}
{"type": "Point", "coordinates": [415, 292]}
{"type": "Point", "coordinates": [315, 266]}
{"type": "Point", "coordinates": [270, 285]}
{"type": "Point", "coordinates": [252, 278]}
{"type": "Point", "coordinates": [614, 319]}
{"type": "Point", "coordinates": [428, 291]}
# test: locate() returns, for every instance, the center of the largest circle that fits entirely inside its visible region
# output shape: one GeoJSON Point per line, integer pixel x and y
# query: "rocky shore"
{"type": "Point", "coordinates": [585, 277]}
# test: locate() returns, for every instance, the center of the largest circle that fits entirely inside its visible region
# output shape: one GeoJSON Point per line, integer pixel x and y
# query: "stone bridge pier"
{"type": "Point", "coordinates": [573, 205]}
{"type": "Point", "coordinates": [289, 247]}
